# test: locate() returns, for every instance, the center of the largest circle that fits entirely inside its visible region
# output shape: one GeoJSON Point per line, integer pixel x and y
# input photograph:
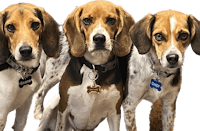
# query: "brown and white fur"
{"type": "Point", "coordinates": [25, 28]}
{"type": "Point", "coordinates": [160, 42]}
{"type": "Point", "coordinates": [96, 32]}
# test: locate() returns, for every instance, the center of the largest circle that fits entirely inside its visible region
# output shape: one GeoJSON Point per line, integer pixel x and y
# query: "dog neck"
{"type": "Point", "coordinates": [102, 68]}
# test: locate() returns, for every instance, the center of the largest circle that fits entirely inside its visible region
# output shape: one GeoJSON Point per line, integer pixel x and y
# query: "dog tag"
{"type": "Point", "coordinates": [155, 84]}
{"type": "Point", "coordinates": [25, 81]}
{"type": "Point", "coordinates": [94, 89]}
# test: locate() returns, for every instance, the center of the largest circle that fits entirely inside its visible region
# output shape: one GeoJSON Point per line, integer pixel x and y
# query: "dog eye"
{"type": "Point", "coordinates": [111, 21]}
{"type": "Point", "coordinates": [159, 37]}
{"type": "Point", "coordinates": [87, 21]}
{"type": "Point", "coordinates": [35, 26]}
{"type": "Point", "coordinates": [11, 28]}
{"type": "Point", "coordinates": [183, 36]}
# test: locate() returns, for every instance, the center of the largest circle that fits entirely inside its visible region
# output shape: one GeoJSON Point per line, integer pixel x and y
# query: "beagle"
{"type": "Point", "coordinates": [155, 63]}
{"type": "Point", "coordinates": [26, 30]}
{"type": "Point", "coordinates": [91, 87]}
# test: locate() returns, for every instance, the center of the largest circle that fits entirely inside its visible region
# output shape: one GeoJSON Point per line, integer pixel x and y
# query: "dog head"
{"type": "Point", "coordinates": [98, 29]}
{"type": "Point", "coordinates": [168, 34]}
{"type": "Point", "coordinates": [26, 28]}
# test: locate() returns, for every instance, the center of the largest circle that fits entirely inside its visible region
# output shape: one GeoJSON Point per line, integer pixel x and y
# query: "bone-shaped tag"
{"type": "Point", "coordinates": [155, 84]}
{"type": "Point", "coordinates": [94, 89]}
{"type": "Point", "coordinates": [25, 81]}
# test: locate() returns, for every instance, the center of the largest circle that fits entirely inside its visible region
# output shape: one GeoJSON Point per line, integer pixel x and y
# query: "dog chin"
{"type": "Point", "coordinates": [97, 57]}
{"type": "Point", "coordinates": [171, 68]}
{"type": "Point", "coordinates": [32, 63]}
{"type": "Point", "coordinates": [102, 53]}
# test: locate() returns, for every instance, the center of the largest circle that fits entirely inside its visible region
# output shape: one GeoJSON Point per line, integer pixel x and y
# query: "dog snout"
{"type": "Point", "coordinates": [25, 51]}
{"type": "Point", "coordinates": [172, 59]}
{"type": "Point", "coordinates": [99, 39]}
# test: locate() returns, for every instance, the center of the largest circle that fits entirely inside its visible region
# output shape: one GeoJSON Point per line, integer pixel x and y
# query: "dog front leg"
{"type": "Point", "coordinates": [21, 115]}
{"type": "Point", "coordinates": [62, 120]}
{"type": "Point", "coordinates": [168, 111]}
{"type": "Point", "coordinates": [47, 83]}
{"type": "Point", "coordinates": [129, 105]}
{"type": "Point", "coordinates": [3, 118]}
{"type": "Point", "coordinates": [49, 117]}
{"type": "Point", "coordinates": [114, 121]}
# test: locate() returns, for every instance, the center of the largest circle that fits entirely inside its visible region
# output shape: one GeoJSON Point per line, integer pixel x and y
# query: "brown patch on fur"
{"type": "Point", "coordinates": [98, 11]}
{"type": "Point", "coordinates": [141, 33]}
{"type": "Point", "coordinates": [123, 43]}
{"type": "Point", "coordinates": [194, 26]}
{"type": "Point", "coordinates": [119, 103]}
{"type": "Point", "coordinates": [176, 81]}
{"type": "Point", "coordinates": [155, 116]}
{"type": "Point", "coordinates": [174, 104]}
{"type": "Point", "coordinates": [4, 51]}
{"type": "Point", "coordinates": [64, 85]}
{"type": "Point", "coordinates": [132, 127]}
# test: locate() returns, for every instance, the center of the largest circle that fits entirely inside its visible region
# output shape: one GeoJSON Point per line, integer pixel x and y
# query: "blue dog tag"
{"type": "Point", "coordinates": [155, 84]}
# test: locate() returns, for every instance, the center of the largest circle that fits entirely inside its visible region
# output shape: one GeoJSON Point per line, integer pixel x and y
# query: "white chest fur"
{"type": "Point", "coordinates": [11, 96]}
{"type": "Point", "coordinates": [140, 75]}
{"type": "Point", "coordinates": [89, 109]}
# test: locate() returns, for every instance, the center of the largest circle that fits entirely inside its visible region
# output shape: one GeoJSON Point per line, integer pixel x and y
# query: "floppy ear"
{"type": "Point", "coordinates": [72, 30]}
{"type": "Point", "coordinates": [4, 51]}
{"type": "Point", "coordinates": [141, 33]}
{"type": "Point", "coordinates": [194, 27]}
{"type": "Point", "coordinates": [50, 35]}
{"type": "Point", "coordinates": [122, 43]}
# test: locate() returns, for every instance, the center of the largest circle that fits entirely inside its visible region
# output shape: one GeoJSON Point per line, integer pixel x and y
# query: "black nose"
{"type": "Point", "coordinates": [99, 39]}
{"type": "Point", "coordinates": [25, 51]}
{"type": "Point", "coordinates": [172, 59]}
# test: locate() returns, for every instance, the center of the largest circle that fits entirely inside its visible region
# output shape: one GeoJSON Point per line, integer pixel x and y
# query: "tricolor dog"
{"type": "Point", "coordinates": [91, 87]}
{"type": "Point", "coordinates": [26, 30]}
{"type": "Point", "coordinates": [154, 67]}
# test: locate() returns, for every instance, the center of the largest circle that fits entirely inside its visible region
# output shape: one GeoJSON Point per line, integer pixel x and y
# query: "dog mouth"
{"type": "Point", "coordinates": [173, 66]}
{"type": "Point", "coordinates": [25, 59]}
{"type": "Point", "coordinates": [99, 49]}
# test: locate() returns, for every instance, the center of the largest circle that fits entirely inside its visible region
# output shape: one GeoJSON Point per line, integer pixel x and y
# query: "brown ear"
{"type": "Point", "coordinates": [194, 27]}
{"type": "Point", "coordinates": [50, 34]}
{"type": "Point", "coordinates": [141, 33]}
{"type": "Point", "coordinates": [72, 30]}
{"type": "Point", "coordinates": [123, 41]}
{"type": "Point", "coordinates": [4, 51]}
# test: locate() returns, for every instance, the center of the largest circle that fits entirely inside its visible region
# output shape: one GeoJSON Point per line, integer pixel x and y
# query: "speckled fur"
{"type": "Point", "coordinates": [140, 74]}
{"type": "Point", "coordinates": [53, 69]}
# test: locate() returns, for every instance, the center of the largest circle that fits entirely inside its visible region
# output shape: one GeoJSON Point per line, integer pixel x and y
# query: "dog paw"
{"type": "Point", "coordinates": [37, 115]}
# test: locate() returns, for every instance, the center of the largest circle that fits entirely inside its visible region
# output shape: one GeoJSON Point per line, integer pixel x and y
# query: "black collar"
{"type": "Point", "coordinates": [11, 63]}
{"type": "Point", "coordinates": [102, 68]}
{"type": "Point", "coordinates": [4, 66]}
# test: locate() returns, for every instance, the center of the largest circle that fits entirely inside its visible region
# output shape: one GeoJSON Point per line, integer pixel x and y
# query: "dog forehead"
{"type": "Point", "coordinates": [17, 14]}
{"type": "Point", "coordinates": [20, 6]}
{"type": "Point", "coordinates": [99, 8]}
{"type": "Point", "coordinates": [166, 19]}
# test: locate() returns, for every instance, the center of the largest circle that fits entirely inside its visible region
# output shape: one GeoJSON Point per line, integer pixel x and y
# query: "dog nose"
{"type": "Point", "coordinates": [172, 58]}
{"type": "Point", "coordinates": [99, 39]}
{"type": "Point", "coordinates": [25, 51]}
